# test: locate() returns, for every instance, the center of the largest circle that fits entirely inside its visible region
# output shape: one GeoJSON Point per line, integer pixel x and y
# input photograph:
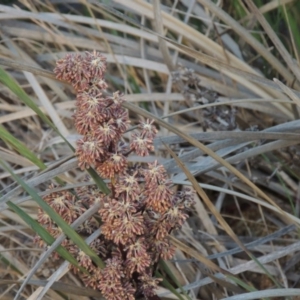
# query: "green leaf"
{"type": "Point", "coordinates": [20, 147]}
{"type": "Point", "coordinates": [10, 265]}
{"type": "Point", "coordinates": [168, 285]}
{"type": "Point", "coordinates": [8, 81]}
{"type": "Point", "coordinates": [44, 234]}
{"type": "Point", "coordinates": [99, 181]}
{"type": "Point", "coordinates": [66, 228]}
{"type": "Point", "coordinates": [165, 267]}
{"type": "Point", "coordinates": [17, 90]}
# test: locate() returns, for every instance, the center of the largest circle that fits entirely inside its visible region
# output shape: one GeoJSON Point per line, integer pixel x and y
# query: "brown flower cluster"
{"type": "Point", "coordinates": [143, 207]}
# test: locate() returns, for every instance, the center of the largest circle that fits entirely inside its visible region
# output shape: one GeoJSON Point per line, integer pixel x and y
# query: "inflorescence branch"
{"type": "Point", "coordinates": [143, 207]}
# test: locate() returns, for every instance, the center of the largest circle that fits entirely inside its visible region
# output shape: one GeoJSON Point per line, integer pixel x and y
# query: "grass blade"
{"type": "Point", "coordinates": [68, 231]}
{"type": "Point", "coordinates": [20, 147]}
{"type": "Point", "coordinates": [44, 234]}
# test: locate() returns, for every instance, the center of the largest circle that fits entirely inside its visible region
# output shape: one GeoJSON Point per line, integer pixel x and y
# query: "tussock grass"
{"type": "Point", "coordinates": [223, 85]}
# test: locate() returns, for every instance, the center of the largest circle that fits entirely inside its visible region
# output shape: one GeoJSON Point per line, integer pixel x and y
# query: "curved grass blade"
{"type": "Point", "coordinates": [59, 287]}
{"type": "Point", "coordinates": [165, 267]}
{"type": "Point", "coordinates": [99, 182]}
{"type": "Point", "coordinates": [168, 285]}
{"type": "Point", "coordinates": [220, 219]}
{"type": "Point", "coordinates": [206, 150]}
{"type": "Point", "coordinates": [20, 147]}
{"type": "Point", "coordinates": [23, 150]}
{"type": "Point", "coordinates": [9, 265]}
{"type": "Point", "coordinates": [44, 234]}
{"type": "Point", "coordinates": [8, 81]}
{"type": "Point", "coordinates": [67, 229]}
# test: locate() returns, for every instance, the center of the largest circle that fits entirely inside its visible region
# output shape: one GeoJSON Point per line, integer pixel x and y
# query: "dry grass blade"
{"type": "Point", "coordinates": [268, 293]}
{"type": "Point", "coordinates": [209, 164]}
{"type": "Point", "coordinates": [248, 265]}
{"type": "Point", "coordinates": [220, 81]}
{"type": "Point", "coordinates": [65, 106]}
{"type": "Point", "coordinates": [209, 204]}
{"type": "Point", "coordinates": [209, 264]}
{"type": "Point", "coordinates": [273, 4]}
{"type": "Point", "coordinates": [162, 43]}
{"type": "Point", "coordinates": [205, 43]}
{"type": "Point", "coordinates": [205, 150]}
{"type": "Point", "coordinates": [276, 41]}
{"type": "Point", "coordinates": [288, 91]}
{"type": "Point", "coordinates": [225, 67]}
{"type": "Point", "coordinates": [243, 196]}
{"type": "Point", "coordinates": [196, 255]}
{"type": "Point", "coordinates": [52, 248]}
{"type": "Point", "coordinates": [60, 287]}
{"type": "Point", "coordinates": [249, 39]}
{"type": "Point", "coordinates": [60, 168]}
{"type": "Point", "coordinates": [237, 135]}
{"type": "Point", "coordinates": [23, 67]}
{"type": "Point", "coordinates": [253, 244]}
{"type": "Point", "coordinates": [41, 292]}
{"type": "Point", "coordinates": [199, 145]}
